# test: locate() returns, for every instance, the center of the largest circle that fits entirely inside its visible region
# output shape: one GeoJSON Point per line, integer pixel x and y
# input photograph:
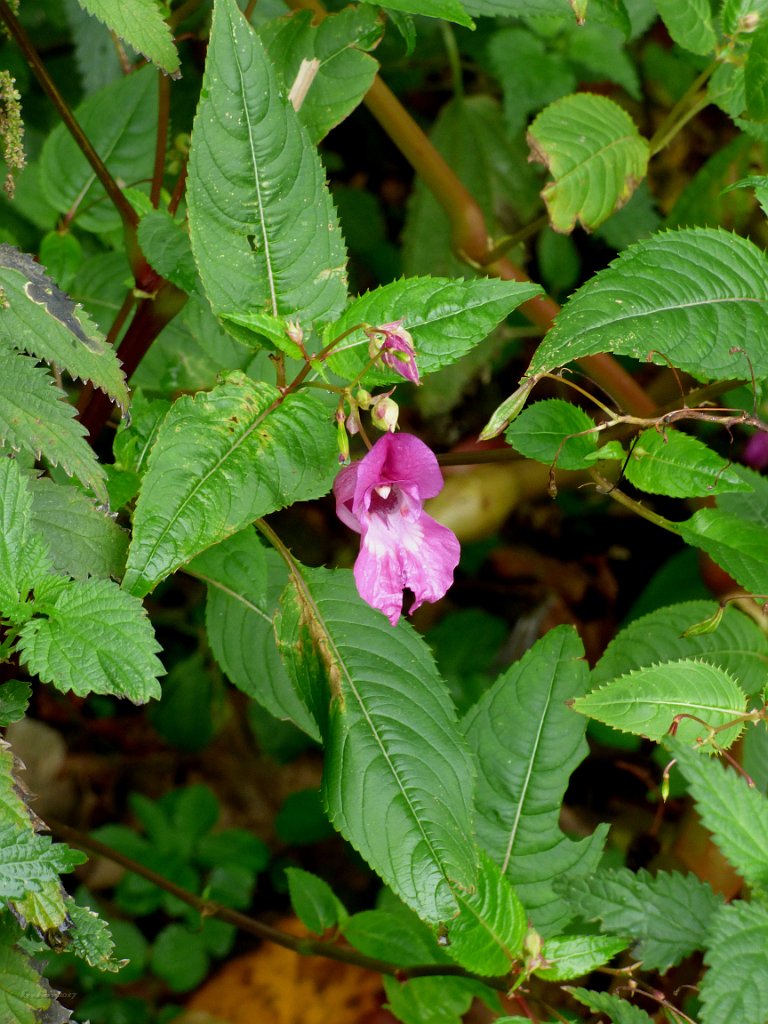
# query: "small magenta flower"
{"type": "Point", "coordinates": [381, 498]}
{"type": "Point", "coordinates": [394, 345]}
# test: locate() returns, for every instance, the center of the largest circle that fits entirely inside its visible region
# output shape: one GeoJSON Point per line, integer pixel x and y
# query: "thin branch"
{"type": "Point", "coordinates": [161, 139]}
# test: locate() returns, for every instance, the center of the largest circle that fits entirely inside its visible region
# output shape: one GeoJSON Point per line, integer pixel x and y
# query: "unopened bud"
{"type": "Point", "coordinates": [342, 440]}
{"type": "Point", "coordinates": [364, 399]}
{"type": "Point", "coordinates": [353, 424]}
{"type": "Point", "coordinates": [749, 22]}
{"type": "Point", "coordinates": [394, 345]}
{"type": "Point", "coordinates": [294, 332]}
{"type": "Point", "coordinates": [384, 414]}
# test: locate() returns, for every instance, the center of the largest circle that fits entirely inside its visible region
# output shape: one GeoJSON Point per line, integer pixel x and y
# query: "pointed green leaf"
{"type": "Point", "coordinates": [680, 466]}
{"type": "Point", "coordinates": [345, 71]}
{"type": "Point", "coordinates": [90, 938]}
{"type": "Point", "coordinates": [45, 908]}
{"type": "Point", "coordinates": [669, 914]}
{"type": "Point", "coordinates": [751, 505]}
{"type": "Point", "coordinates": [35, 417]}
{"type": "Point", "coordinates": [314, 902]}
{"type": "Point", "coordinates": [24, 994]}
{"type": "Point", "coordinates": [222, 459]}
{"type": "Point", "coordinates": [398, 776]}
{"type": "Point", "coordinates": [487, 936]}
{"type": "Point", "coordinates": [528, 743]}
{"type": "Point", "coordinates": [448, 10]}
{"type": "Point", "coordinates": [42, 320]}
{"type": "Point", "coordinates": [120, 121]}
{"type": "Point", "coordinates": [258, 203]}
{"type": "Point", "coordinates": [245, 582]}
{"type": "Point", "coordinates": [140, 23]}
{"type": "Point", "coordinates": [735, 813]}
{"type": "Point", "coordinates": [696, 298]}
{"type": "Point", "coordinates": [596, 156]}
{"type": "Point", "coordinates": [689, 23]}
{"type": "Point", "coordinates": [646, 702]}
{"type": "Point", "coordinates": [24, 558]}
{"type": "Point", "coordinates": [14, 698]}
{"type": "Point", "coordinates": [734, 989]}
{"type": "Point", "coordinates": [572, 956]}
{"type": "Point", "coordinates": [165, 243]}
{"type": "Point", "coordinates": [738, 645]}
{"type": "Point", "coordinates": [739, 546]}
{"type": "Point", "coordinates": [445, 317]}
{"type": "Point", "coordinates": [616, 1009]}
{"type": "Point", "coordinates": [93, 637]}
{"type": "Point", "coordinates": [82, 539]}
{"type": "Point", "coordinates": [553, 432]}
{"type": "Point", "coordinates": [429, 1000]}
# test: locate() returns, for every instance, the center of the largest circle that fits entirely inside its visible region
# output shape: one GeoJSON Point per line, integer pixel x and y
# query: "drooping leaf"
{"type": "Point", "coordinates": [81, 538]}
{"type": "Point", "coordinates": [545, 432]}
{"type": "Point", "coordinates": [572, 956]}
{"type": "Point", "coordinates": [740, 546]}
{"type": "Point", "coordinates": [244, 583]}
{"type": "Point", "coordinates": [345, 71]}
{"type": "Point", "coordinates": [120, 121]}
{"type": "Point", "coordinates": [42, 320]}
{"type": "Point", "coordinates": [689, 23]}
{"type": "Point", "coordinates": [258, 203]}
{"type": "Point", "coordinates": [24, 558]}
{"type": "Point", "coordinates": [140, 23]}
{"type": "Point", "coordinates": [445, 317]}
{"type": "Point", "coordinates": [92, 637]}
{"type": "Point", "coordinates": [315, 903]}
{"type": "Point", "coordinates": [648, 701]}
{"type": "Point", "coordinates": [688, 297]}
{"type": "Point", "coordinates": [397, 774]}
{"type": "Point", "coordinates": [24, 995]}
{"type": "Point", "coordinates": [737, 956]}
{"type": "Point", "coordinates": [668, 915]}
{"type": "Point", "coordinates": [90, 938]}
{"type": "Point", "coordinates": [222, 459]}
{"type": "Point", "coordinates": [738, 645]}
{"type": "Point", "coordinates": [35, 417]}
{"type": "Point", "coordinates": [680, 466]}
{"type": "Point", "coordinates": [528, 743]}
{"type": "Point", "coordinates": [14, 698]}
{"type": "Point", "coordinates": [735, 814]}
{"type": "Point", "coordinates": [595, 154]}
{"type": "Point", "coordinates": [618, 1010]}
{"type": "Point", "coordinates": [165, 243]}
{"type": "Point", "coordinates": [487, 936]}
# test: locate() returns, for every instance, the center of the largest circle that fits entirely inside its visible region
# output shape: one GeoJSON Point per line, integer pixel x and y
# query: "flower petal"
{"type": "Point", "coordinates": [344, 492]}
{"type": "Point", "coordinates": [400, 459]}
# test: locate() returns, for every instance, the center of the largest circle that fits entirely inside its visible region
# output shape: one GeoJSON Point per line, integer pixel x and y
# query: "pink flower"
{"type": "Point", "coordinates": [395, 346]}
{"type": "Point", "coordinates": [381, 498]}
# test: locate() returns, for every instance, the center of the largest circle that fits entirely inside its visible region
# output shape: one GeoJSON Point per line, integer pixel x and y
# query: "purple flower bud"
{"type": "Point", "coordinates": [381, 497]}
{"type": "Point", "coordinates": [756, 451]}
{"type": "Point", "coordinates": [394, 345]}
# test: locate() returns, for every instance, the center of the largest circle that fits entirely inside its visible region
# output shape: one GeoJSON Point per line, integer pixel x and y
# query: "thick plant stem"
{"type": "Point", "coordinates": [306, 947]}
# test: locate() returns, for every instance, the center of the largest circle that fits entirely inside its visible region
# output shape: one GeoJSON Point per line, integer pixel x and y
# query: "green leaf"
{"type": "Point", "coordinates": [29, 861]}
{"type": "Point", "coordinates": [487, 936]}
{"type": "Point", "coordinates": [338, 42]}
{"type": "Point", "coordinates": [42, 320]}
{"type": "Point", "coordinates": [646, 702]}
{"type": "Point", "coordinates": [752, 505]}
{"type": "Point", "coordinates": [179, 958]}
{"type": "Point", "coordinates": [529, 74]}
{"type": "Point", "coordinates": [258, 203]}
{"type": "Point", "coordinates": [572, 956]}
{"type": "Point", "coordinates": [735, 813]}
{"type": "Point", "coordinates": [93, 637]}
{"type": "Point", "coordinates": [756, 75]}
{"type": "Point", "coordinates": [24, 558]}
{"type": "Point", "coordinates": [120, 121]}
{"type": "Point", "coordinates": [62, 254]}
{"type": "Point", "coordinates": [82, 539]}
{"type": "Point", "coordinates": [528, 743]}
{"type": "Point", "coordinates": [393, 932]}
{"type": "Point", "coordinates": [735, 15]}
{"type": "Point", "coordinates": [429, 1000]}
{"type": "Point", "coordinates": [680, 466]}
{"type": "Point", "coordinates": [733, 989]}
{"type": "Point", "coordinates": [661, 297]}
{"type": "Point", "coordinates": [314, 902]}
{"type": "Point", "coordinates": [140, 23]}
{"type": "Point", "coordinates": [90, 938]}
{"type": "Point", "coordinates": [222, 459]}
{"type": "Point", "coordinates": [245, 582]}
{"type": "Point", "coordinates": [446, 319]}
{"type": "Point", "coordinates": [544, 431]}
{"type": "Point", "coordinates": [165, 243]}
{"type": "Point", "coordinates": [397, 776]}
{"type": "Point", "coordinates": [14, 698]}
{"type": "Point", "coordinates": [669, 914]}
{"type": "Point", "coordinates": [689, 23]}
{"type": "Point", "coordinates": [739, 546]}
{"type": "Point", "coordinates": [44, 908]}
{"type": "Point", "coordinates": [617, 1009]}
{"type": "Point", "coordinates": [738, 645]}
{"type": "Point", "coordinates": [595, 154]}
{"type": "Point", "coordinates": [35, 417]}
{"type": "Point", "coordinates": [24, 995]}
{"type": "Point", "coordinates": [448, 10]}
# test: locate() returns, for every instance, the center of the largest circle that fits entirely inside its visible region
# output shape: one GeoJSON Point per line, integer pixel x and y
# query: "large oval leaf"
{"type": "Point", "coordinates": [221, 460]}
{"type": "Point", "coordinates": [696, 298]}
{"type": "Point", "coordinates": [264, 231]}
{"type": "Point", "coordinates": [740, 546]}
{"type": "Point", "coordinates": [398, 776]}
{"type": "Point", "coordinates": [679, 466]}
